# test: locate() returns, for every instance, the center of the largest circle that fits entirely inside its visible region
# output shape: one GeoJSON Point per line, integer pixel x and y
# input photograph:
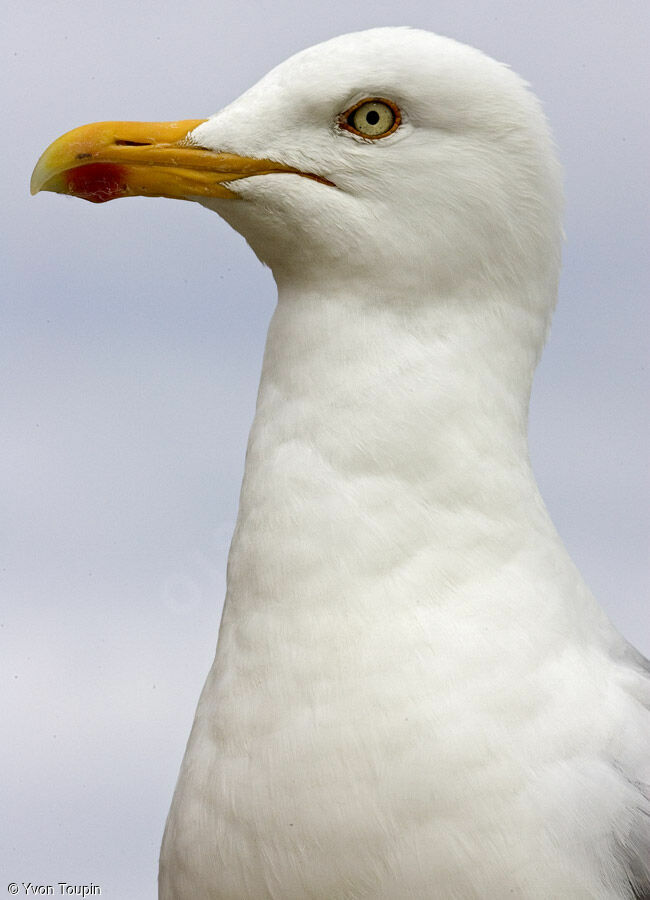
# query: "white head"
{"type": "Point", "coordinates": [465, 192]}
{"type": "Point", "coordinates": [461, 195]}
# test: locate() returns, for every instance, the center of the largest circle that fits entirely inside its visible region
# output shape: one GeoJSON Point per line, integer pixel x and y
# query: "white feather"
{"type": "Point", "coordinates": [414, 693]}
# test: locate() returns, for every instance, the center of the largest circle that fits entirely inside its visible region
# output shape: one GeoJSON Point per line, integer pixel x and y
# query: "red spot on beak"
{"type": "Point", "coordinates": [97, 182]}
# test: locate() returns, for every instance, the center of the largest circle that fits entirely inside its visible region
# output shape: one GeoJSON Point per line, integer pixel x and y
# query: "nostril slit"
{"type": "Point", "coordinates": [121, 143]}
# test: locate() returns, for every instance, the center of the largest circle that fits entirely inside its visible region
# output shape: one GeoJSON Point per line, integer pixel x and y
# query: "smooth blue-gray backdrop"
{"type": "Point", "coordinates": [132, 336]}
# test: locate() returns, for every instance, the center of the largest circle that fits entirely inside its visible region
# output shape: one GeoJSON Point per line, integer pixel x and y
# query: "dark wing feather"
{"type": "Point", "coordinates": [636, 852]}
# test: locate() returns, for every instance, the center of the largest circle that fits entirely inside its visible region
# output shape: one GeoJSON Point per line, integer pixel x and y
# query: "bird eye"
{"type": "Point", "coordinates": [373, 118]}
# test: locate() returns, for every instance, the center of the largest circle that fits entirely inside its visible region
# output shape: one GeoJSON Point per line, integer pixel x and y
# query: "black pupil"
{"type": "Point", "coordinates": [372, 117]}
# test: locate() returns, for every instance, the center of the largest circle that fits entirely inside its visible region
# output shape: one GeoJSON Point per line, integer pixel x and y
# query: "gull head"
{"type": "Point", "coordinates": [385, 157]}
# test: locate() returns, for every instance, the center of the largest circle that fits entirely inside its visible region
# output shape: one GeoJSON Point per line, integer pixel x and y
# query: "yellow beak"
{"type": "Point", "coordinates": [107, 160]}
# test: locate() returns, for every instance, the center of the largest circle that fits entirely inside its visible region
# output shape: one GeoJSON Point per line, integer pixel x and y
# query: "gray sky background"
{"type": "Point", "coordinates": [131, 338]}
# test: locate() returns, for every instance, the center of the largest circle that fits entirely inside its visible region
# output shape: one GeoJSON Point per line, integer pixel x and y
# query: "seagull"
{"type": "Point", "coordinates": [414, 693]}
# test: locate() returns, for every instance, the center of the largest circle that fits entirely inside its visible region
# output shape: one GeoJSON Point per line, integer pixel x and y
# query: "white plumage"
{"type": "Point", "coordinates": [414, 693]}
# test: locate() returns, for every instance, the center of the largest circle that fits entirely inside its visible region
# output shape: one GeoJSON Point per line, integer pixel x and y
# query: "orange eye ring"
{"type": "Point", "coordinates": [372, 118]}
